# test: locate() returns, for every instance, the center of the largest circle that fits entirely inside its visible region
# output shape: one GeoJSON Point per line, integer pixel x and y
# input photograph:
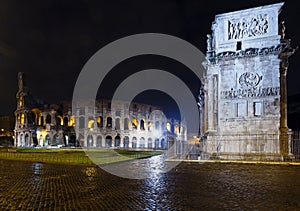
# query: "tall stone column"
{"type": "Point", "coordinates": [283, 94]}
{"type": "Point", "coordinates": [210, 102]}
{"type": "Point", "coordinates": [205, 109]}
{"type": "Point", "coordinates": [284, 130]}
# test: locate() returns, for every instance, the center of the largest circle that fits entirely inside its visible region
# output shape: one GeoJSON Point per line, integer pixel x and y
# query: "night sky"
{"type": "Point", "coordinates": [50, 41]}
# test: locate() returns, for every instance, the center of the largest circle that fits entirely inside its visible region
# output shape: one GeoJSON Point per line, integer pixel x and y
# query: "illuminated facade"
{"type": "Point", "coordinates": [142, 126]}
{"type": "Point", "coordinates": [245, 86]}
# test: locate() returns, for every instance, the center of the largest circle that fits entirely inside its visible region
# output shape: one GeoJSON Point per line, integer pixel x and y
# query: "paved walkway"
{"type": "Point", "coordinates": [189, 186]}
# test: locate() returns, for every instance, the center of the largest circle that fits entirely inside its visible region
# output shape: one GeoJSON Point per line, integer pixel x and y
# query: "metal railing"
{"type": "Point", "coordinates": [263, 147]}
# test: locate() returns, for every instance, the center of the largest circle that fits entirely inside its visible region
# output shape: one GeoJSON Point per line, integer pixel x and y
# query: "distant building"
{"type": "Point", "coordinates": [6, 125]}
{"type": "Point", "coordinates": [142, 126]}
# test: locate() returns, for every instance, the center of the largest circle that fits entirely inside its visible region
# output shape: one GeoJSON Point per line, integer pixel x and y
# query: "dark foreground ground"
{"type": "Point", "coordinates": [189, 186]}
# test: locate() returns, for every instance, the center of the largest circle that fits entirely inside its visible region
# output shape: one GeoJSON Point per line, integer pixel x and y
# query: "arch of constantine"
{"type": "Point", "coordinates": [244, 96]}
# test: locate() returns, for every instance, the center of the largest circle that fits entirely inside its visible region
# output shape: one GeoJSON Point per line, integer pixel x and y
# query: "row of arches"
{"type": "Point", "coordinates": [127, 124]}
{"type": "Point", "coordinates": [125, 143]}
{"type": "Point", "coordinates": [40, 119]}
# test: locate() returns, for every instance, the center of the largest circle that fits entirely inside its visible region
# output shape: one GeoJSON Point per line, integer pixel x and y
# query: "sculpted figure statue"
{"type": "Point", "coordinates": [209, 42]}
{"type": "Point", "coordinates": [282, 29]}
{"type": "Point", "coordinates": [20, 80]}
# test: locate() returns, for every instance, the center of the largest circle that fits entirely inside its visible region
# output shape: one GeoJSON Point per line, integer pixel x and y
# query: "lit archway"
{"type": "Point", "coordinates": [142, 142]}
{"type": "Point", "coordinates": [135, 123]}
{"type": "Point", "coordinates": [90, 141]}
{"type": "Point", "coordinates": [108, 122]}
{"type": "Point", "coordinates": [150, 143]}
{"type": "Point", "coordinates": [108, 141]}
{"type": "Point", "coordinates": [142, 124]}
{"type": "Point", "coordinates": [134, 142]}
{"type": "Point", "coordinates": [117, 141]}
{"type": "Point", "coordinates": [99, 141]}
{"type": "Point", "coordinates": [126, 142]}
{"type": "Point", "coordinates": [100, 121]}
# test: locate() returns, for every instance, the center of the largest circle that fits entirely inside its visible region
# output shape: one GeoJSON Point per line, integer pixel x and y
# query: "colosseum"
{"type": "Point", "coordinates": [141, 127]}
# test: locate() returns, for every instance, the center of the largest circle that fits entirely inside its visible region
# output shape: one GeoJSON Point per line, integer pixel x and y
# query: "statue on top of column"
{"type": "Point", "coordinates": [209, 42]}
{"type": "Point", "coordinates": [20, 81]}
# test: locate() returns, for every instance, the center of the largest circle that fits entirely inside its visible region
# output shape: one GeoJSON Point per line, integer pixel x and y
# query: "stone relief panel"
{"type": "Point", "coordinates": [249, 79]}
{"type": "Point", "coordinates": [271, 108]}
{"type": "Point", "coordinates": [248, 27]}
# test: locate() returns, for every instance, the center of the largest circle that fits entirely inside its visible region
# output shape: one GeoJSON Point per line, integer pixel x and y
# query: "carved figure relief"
{"type": "Point", "coordinates": [249, 79]}
{"type": "Point", "coordinates": [271, 108]}
{"type": "Point", "coordinates": [248, 27]}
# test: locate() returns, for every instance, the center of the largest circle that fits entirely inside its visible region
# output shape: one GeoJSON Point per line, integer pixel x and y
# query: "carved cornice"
{"type": "Point", "coordinates": [283, 49]}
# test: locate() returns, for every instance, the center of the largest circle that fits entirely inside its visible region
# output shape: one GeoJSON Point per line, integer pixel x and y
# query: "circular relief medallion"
{"type": "Point", "coordinates": [249, 79]}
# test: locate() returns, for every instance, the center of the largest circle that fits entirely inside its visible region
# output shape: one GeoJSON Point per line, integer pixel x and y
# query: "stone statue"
{"type": "Point", "coordinates": [201, 98]}
{"type": "Point", "coordinates": [282, 29]}
{"type": "Point", "coordinates": [209, 42]}
{"type": "Point", "coordinates": [20, 81]}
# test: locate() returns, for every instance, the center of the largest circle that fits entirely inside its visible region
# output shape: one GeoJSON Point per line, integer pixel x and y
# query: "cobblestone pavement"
{"type": "Point", "coordinates": [189, 186]}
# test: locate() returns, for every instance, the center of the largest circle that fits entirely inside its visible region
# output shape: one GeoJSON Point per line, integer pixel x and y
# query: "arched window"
{"type": "Point", "coordinates": [47, 140]}
{"type": "Point", "coordinates": [149, 125]}
{"type": "Point", "coordinates": [19, 118]}
{"type": "Point", "coordinates": [117, 141]}
{"type": "Point", "coordinates": [90, 141]}
{"type": "Point", "coordinates": [99, 141]}
{"type": "Point", "coordinates": [72, 121]}
{"type": "Point", "coordinates": [149, 143]}
{"type": "Point", "coordinates": [108, 122]}
{"type": "Point", "coordinates": [176, 129]}
{"type": "Point", "coordinates": [142, 142]}
{"type": "Point", "coordinates": [108, 141]}
{"type": "Point", "coordinates": [66, 121]}
{"type": "Point", "coordinates": [48, 119]}
{"type": "Point", "coordinates": [26, 140]}
{"type": "Point", "coordinates": [126, 142]}
{"type": "Point", "coordinates": [168, 127]}
{"type": "Point", "coordinates": [59, 120]}
{"type": "Point", "coordinates": [100, 121]}
{"type": "Point", "coordinates": [142, 125]}
{"type": "Point", "coordinates": [126, 124]}
{"type": "Point", "coordinates": [156, 144]}
{"type": "Point", "coordinates": [91, 123]}
{"type": "Point", "coordinates": [135, 123]}
{"type": "Point", "coordinates": [163, 144]}
{"type": "Point", "coordinates": [182, 130]}
{"type": "Point", "coordinates": [117, 124]}
{"type": "Point", "coordinates": [22, 118]}
{"type": "Point", "coordinates": [41, 120]}
{"type": "Point", "coordinates": [134, 142]}
{"type": "Point", "coordinates": [80, 139]}
{"type": "Point", "coordinates": [21, 140]}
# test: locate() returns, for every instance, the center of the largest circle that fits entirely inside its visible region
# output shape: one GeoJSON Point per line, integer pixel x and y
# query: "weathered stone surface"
{"type": "Point", "coordinates": [246, 84]}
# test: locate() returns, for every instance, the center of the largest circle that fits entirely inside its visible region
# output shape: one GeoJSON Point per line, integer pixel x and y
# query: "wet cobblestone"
{"type": "Point", "coordinates": [42, 186]}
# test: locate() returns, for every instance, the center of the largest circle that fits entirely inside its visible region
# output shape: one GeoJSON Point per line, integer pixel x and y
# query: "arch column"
{"type": "Point", "coordinates": [284, 130]}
